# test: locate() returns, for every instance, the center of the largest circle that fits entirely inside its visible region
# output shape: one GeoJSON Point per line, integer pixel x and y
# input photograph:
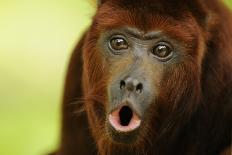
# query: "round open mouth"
{"type": "Point", "coordinates": [124, 119]}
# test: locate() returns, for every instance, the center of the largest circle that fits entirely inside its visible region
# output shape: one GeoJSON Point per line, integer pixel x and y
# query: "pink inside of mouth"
{"type": "Point", "coordinates": [124, 119]}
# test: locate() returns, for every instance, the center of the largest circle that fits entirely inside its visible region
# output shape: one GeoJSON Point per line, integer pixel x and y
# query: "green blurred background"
{"type": "Point", "coordinates": [36, 39]}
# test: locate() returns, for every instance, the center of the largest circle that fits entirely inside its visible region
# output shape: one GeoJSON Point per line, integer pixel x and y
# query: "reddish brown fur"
{"type": "Point", "coordinates": [195, 104]}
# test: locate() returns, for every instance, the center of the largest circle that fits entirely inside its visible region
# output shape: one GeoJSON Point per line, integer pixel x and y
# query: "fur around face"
{"type": "Point", "coordinates": [193, 111]}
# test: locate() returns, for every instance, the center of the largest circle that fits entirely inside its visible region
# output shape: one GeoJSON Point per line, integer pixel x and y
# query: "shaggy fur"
{"type": "Point", "coordinates": [194, 111]}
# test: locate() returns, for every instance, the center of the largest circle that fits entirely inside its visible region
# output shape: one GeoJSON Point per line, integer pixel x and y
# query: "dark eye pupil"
{"type": "Point", "coordinates": [162, 51]}
{"type": "Point", "coordinates": [119, 44]}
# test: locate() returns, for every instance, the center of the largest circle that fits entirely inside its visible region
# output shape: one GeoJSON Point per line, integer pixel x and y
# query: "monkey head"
{"type": "Point", "coordinates": [142, 69]}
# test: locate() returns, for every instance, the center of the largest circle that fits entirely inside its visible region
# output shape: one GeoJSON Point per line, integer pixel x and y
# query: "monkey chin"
{"type": "Point", "coordinates": [123, 125]}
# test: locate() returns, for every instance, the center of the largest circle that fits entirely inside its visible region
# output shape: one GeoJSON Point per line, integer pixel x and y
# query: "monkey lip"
{"type": "Point", "coordinates": [124, 119]}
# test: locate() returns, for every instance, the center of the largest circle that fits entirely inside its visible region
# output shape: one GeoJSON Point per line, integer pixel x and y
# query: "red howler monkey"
{"type": "Point", "coordinates": [151, 77]}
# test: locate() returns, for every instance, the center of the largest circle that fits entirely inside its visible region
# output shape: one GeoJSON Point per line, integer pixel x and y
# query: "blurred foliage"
{"type": "Point", "coordinates": [36, 38]}
{"type": "Point", "coordinates": [35, 43]}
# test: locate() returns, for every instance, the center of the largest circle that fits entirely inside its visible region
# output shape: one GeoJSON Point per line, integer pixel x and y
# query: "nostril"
{"type": "Point", "coordinates": [122, 84]}
{"type": "Point", "coordinates": [139, 88]}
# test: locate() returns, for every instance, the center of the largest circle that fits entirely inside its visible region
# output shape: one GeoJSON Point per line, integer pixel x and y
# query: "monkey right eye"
{"type": "Point", "coordinates": [118, 44]}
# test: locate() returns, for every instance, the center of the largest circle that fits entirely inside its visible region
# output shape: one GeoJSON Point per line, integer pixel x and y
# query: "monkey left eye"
{"type": "Point", "coordinates": [119, 44]}
{"type": "Point", "coordinates": [162, 52]}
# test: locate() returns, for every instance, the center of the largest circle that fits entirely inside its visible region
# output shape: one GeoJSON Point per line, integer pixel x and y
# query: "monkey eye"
{"type": "Point", "coordinates": [118, 44]}
{"type": "Point", "coordinates": [162, 52]}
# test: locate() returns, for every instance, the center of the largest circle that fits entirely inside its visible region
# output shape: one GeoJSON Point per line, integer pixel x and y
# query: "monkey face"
{"type": "Point", "coordinates": [136, 63]}
{"type": "Point", "coordinates": [146, 70]}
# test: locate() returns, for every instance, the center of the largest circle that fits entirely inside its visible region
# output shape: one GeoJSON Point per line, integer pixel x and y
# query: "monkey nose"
{"type": "Point", "coordinates": [131, 85]}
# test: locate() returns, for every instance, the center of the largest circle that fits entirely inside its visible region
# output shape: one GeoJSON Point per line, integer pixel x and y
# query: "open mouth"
{"type": "Point", "coordinates": [124, 119]}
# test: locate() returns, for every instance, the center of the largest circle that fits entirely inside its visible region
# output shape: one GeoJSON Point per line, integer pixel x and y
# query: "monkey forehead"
{"type": "Point", "coordinates": [113, 15]}
{"type": "Point", "coordinates": [108, 17]}
{"type": "Point", "coordinates": [136, 33]}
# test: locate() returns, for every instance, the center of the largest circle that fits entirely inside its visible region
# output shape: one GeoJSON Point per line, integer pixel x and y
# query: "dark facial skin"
{"type": "Point", "coordinates": [136, 62]}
